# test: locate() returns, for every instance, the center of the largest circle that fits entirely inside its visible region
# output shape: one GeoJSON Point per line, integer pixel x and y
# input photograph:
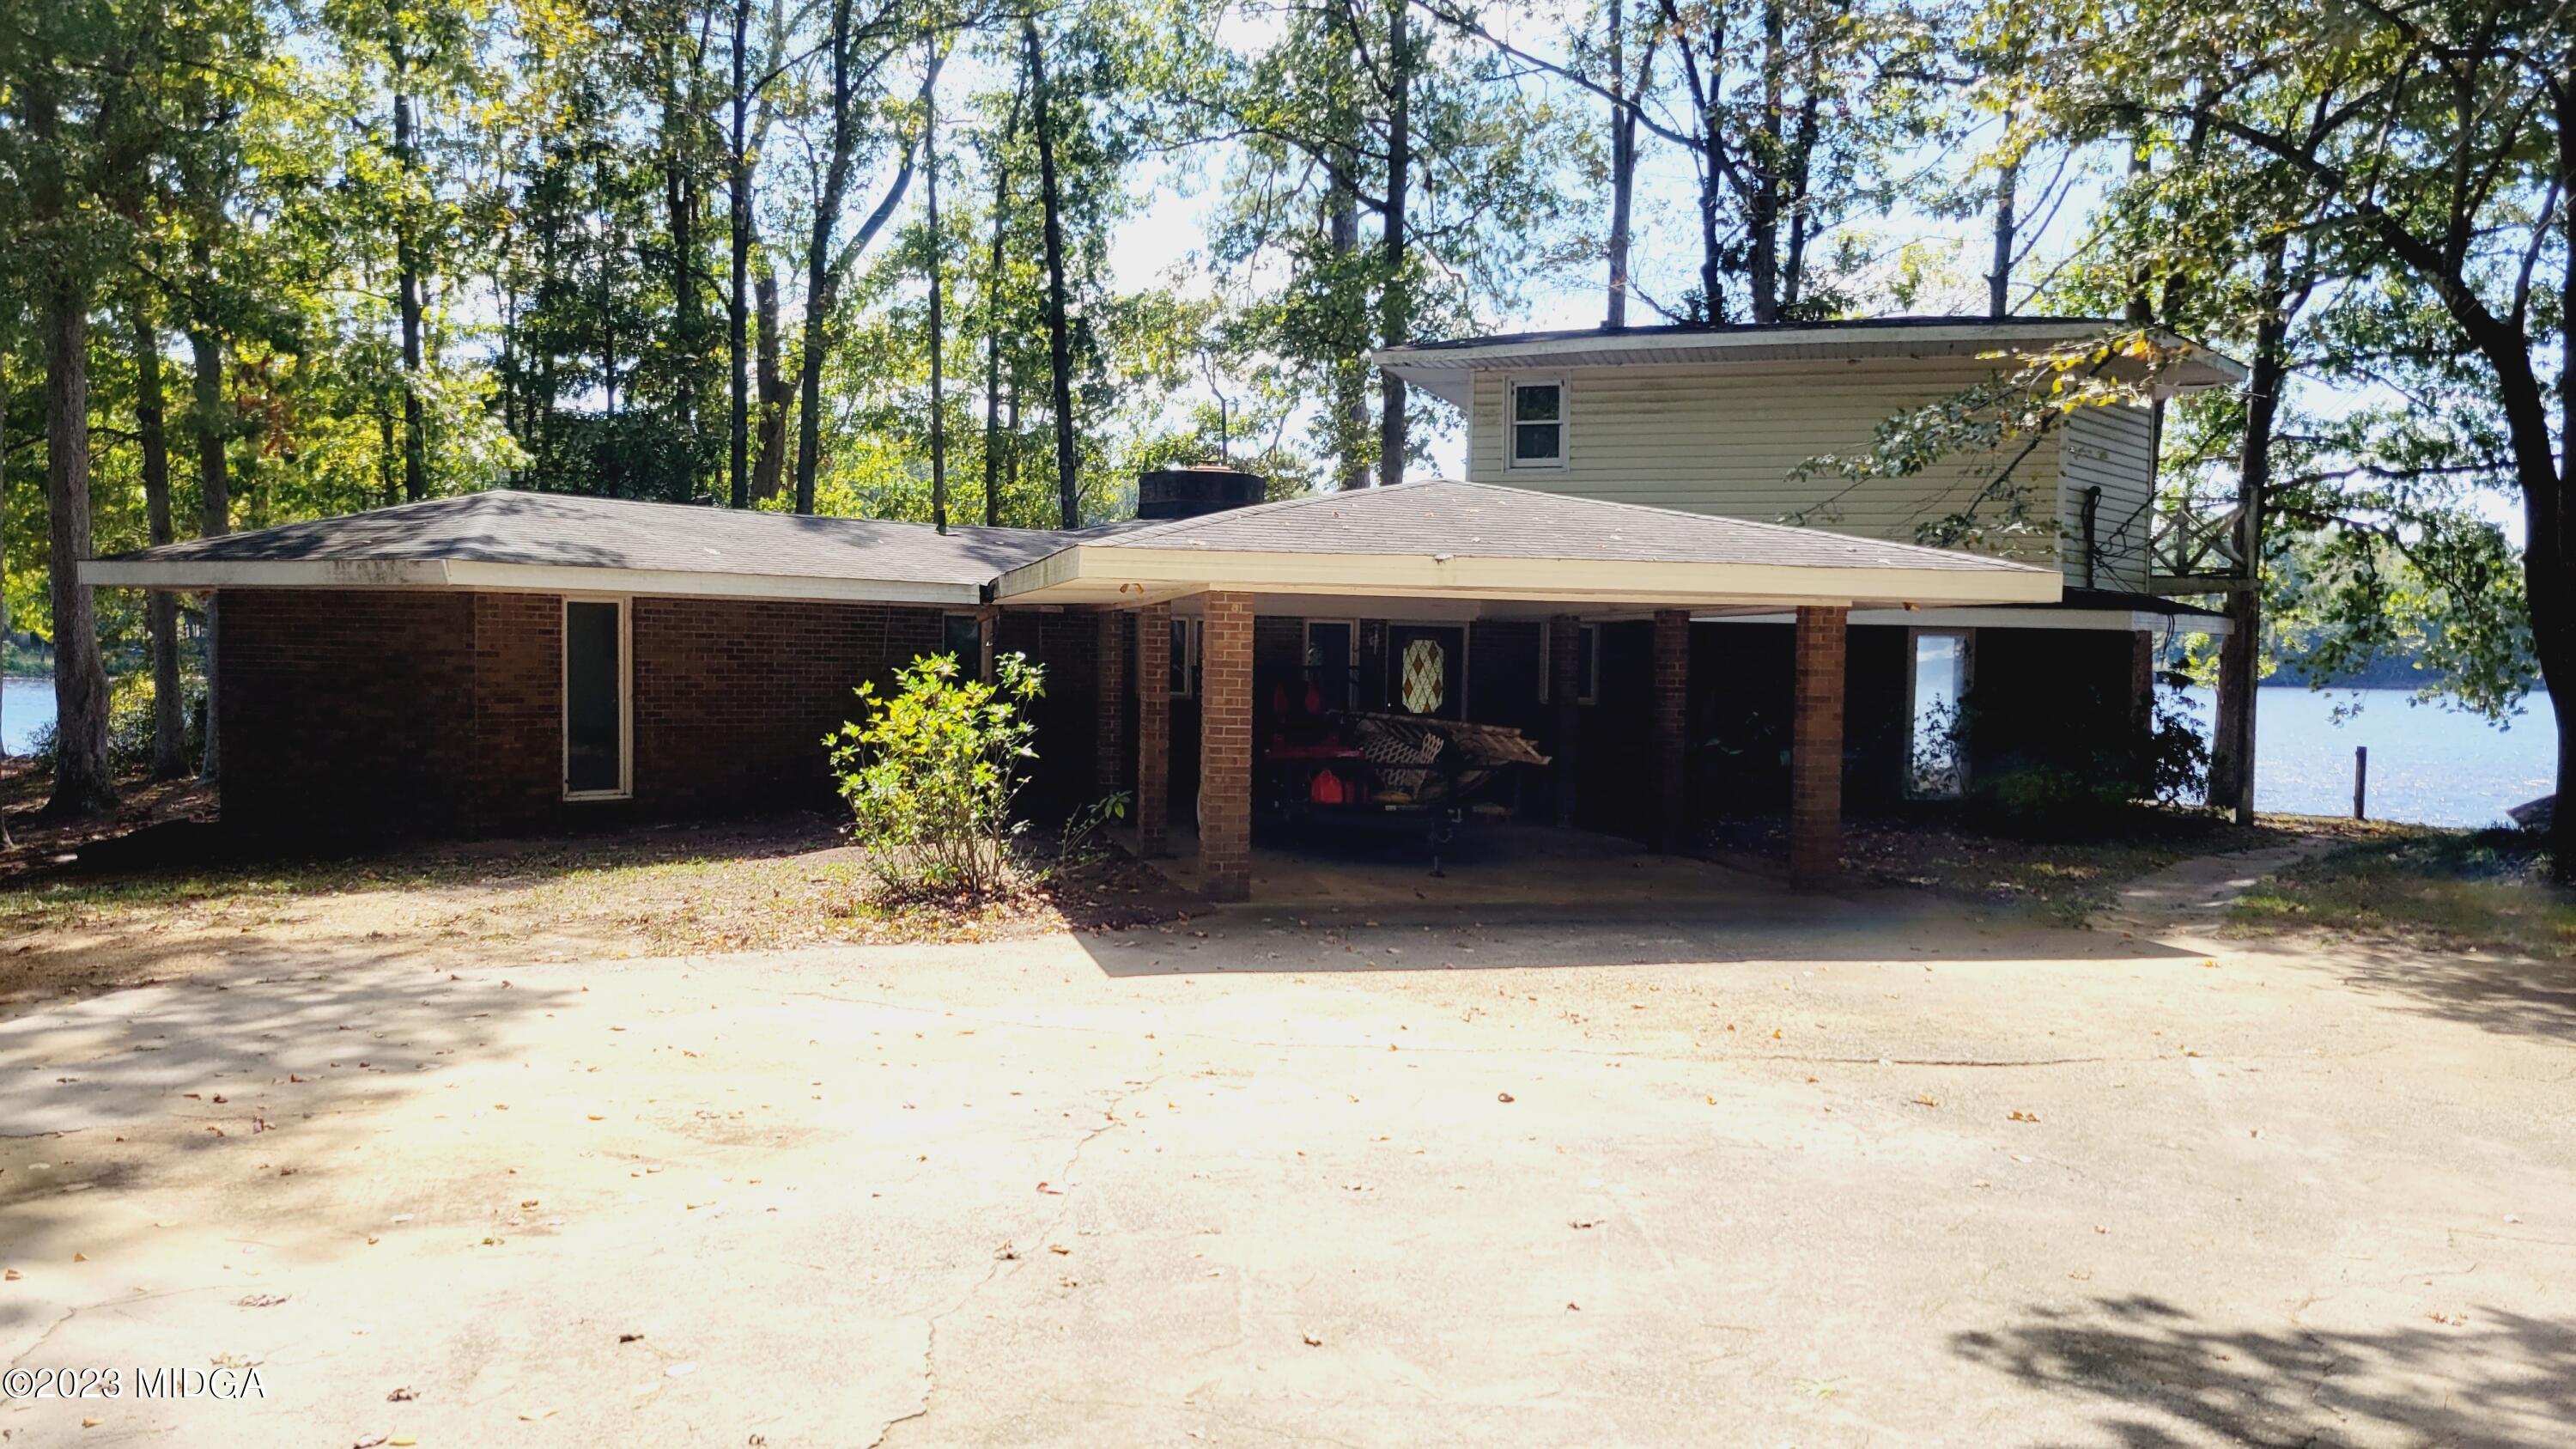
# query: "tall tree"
{"type": "Point", "coordinates": [55, 158]}
{"type": "Point", "coordinates": [1068, 480]}
{"type": "Point", "coordinates": [827, 262]}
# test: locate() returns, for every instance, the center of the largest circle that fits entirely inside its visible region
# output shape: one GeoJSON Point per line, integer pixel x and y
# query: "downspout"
{"type": "Point", "coordinates": [2092, 512]}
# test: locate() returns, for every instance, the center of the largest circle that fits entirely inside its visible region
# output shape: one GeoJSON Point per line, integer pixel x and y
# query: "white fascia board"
{"type": "Point", "coordinates": [521, 578]}
{"type": "Point", "coordinates": [2125, 621]}
{"type": "Point", "coordinates": [1113, 574]}
{"type": "Point", "coordinates": [1433, 368]}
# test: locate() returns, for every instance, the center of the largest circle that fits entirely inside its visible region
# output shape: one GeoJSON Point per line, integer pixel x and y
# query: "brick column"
{"type": "Point", "coordinates": [988, 622]}
{"type": "Point", "coordinates": [1671, 806]}
{"type": "Point", "coordinates": [1154, 730]}
{"type": "Point", "coordinates": [1564, 691]}
{"type": "Point", "coordinates": [1816, 750]}
{"type": "Point", "coordinates": [1109, 704]}
{"type": "Point", "coordinates": [1225, 748]}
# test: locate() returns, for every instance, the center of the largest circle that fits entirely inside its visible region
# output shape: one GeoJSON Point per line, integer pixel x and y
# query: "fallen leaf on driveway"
{"type": "Point", "coordinates": [2025, 1116]}
{"type": "Point", "coordinates": [1313, 1342]}
{"type": "Point", "coordinates": [1502, 1096]}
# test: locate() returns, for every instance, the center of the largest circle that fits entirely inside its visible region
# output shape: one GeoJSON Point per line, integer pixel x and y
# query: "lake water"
{"type": "Point", "coordinates": [26, 705]}
{"type": "Point", "coordinates": [2428, 765]}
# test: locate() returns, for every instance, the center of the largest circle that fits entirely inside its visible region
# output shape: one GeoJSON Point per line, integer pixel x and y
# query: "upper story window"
{"type": "Point", "coordinates": [1538, 425]}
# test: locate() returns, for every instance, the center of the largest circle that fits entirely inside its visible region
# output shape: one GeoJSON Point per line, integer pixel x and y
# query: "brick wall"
{"type": "Point", "coordinates": [1671, 784]}
{"type": "Point", "coordinates": [1816, 747]}
{"type": "Point", "coordinates": [1109, 706]}
{"type": "Point", "coordinates": [1153, 729]}
{"type": "Point", "coordinates": [392, 712]}
{"type": "Point", "coordinates": [1225, 749]}
{"type": "Point", "coordinates": [346, 710]}
{"type": "Point", "coordinates": [733, 697]}
{"type": "Point", "coordinates": [518, 710]}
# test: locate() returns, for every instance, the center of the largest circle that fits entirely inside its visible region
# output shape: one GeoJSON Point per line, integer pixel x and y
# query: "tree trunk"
{"type": "Point", "coordinates": [2547, 492]}
{"type": "Point", "coordinates": [818, 266]}
{"type": "Point", "coordinates": [214, 485]}
{"type": "Point", "coordinates": [770, 472]}
{"type": "Point", "coordinates": [938, 320]}
{"type": "Point", "coordinates": [738, 306]}
{"type": "Point", "coordinates": [1623, 170]}
{"type": "Point", "coordinates": [407, 260]}
{"type": "Point", "coordinates": [160, 607]}
{"type": "Point", "coordinates": [1068, 482]}
{"type": "Point", "coordinates": [993, 313]}
{"type": "Point", "coordinates": [1350, 376]}
{"type": "Point", "coordinates": [1999, 278]}
{"type": "Point", "coordinates": [82, 783]}
{"type": "Point", "coordinates": [680, 208]}
{"type": "Point", "coordinates": [2231, 755]}
{"type": "Point", "coordinates": [1395, 302]}
{"type": "Point", "coordinates": [1762, 208]}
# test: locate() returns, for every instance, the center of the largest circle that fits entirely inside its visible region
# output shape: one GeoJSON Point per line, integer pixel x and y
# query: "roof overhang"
{"type": "Point", "coordinates": [203, 575]}
{"type": "Point", "coordinates": [1447, 370]}
{"type": "Point", "coordinates": [1113, 574]}
{"type": "Point", "coordinates": [2124, 621]}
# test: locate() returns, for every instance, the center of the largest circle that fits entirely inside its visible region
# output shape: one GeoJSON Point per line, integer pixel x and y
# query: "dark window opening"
{"type": "Point", "coordinates": [594, 698]}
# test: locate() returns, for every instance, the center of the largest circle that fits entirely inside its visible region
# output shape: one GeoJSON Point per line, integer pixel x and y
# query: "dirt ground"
{"type": "Point", "coordinates": [168, 899]}
{"type": "Point", "coordinates": [1866, 1169]}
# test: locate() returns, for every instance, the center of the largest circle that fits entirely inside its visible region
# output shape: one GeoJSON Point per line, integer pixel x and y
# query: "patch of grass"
{"type": "Point", "coordinates": [2463, 890]}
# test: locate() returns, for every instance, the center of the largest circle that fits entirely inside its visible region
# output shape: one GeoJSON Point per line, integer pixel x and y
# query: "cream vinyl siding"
{"type": "Point", "coordinates": [1722, 439]}
{"type": "Point", "coordinates": [2111, 447]}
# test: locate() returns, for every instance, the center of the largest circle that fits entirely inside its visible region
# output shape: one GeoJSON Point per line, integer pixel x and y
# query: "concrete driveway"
{"type": "Point", "coordinates": [1820, 1171]}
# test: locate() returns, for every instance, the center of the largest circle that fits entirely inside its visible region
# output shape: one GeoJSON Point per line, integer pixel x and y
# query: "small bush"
{"type": "Point", "coordinates": [2160, 760]}
{"type": "Point", "coordinates": [931, 774]}
{"type": "Point", "coordinates": [129, 725]}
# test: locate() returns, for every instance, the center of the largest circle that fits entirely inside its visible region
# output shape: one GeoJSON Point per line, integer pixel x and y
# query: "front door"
{"type": "Point", "coordinates": [1427, 669]}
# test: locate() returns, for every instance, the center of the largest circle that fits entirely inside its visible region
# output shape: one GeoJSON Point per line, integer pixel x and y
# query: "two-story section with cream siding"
{"type": "Point", "coordinates": [1749, 422]}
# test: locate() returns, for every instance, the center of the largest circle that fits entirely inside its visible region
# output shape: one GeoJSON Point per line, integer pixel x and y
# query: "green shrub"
{"type": "Point", "coordinates": [129, 724]}
{"type": "Point", "coordinates": [2090, 786]}
{"type": "Point", "coordinates": [931, 773]}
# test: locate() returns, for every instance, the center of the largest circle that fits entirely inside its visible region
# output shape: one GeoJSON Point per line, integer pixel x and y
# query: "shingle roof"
{"type": "Point", "coordinates": [1484, 520]}
{"type": "Point", "coordinates": [567, 530]}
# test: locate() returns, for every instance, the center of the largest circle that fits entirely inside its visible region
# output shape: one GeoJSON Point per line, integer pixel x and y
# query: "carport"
{"type": "Point", "coordinates": [1450, 555]}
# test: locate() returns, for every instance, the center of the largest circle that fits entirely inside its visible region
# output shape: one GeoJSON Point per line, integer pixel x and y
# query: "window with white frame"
{"type": "Point", "coordinates": [597, 709]}
{"type": "Point", "coordinates": [1537, 437]}
{"type": "Point", "coordinates": [1937, 686]}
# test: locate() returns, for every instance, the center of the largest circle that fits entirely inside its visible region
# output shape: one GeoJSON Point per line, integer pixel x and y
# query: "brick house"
{"type": "Point", "coordinates": [510, 662]}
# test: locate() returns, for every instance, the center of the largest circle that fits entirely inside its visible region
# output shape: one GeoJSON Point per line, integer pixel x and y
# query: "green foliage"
{"type": "Point", "coordinates": [129, 724]}
{"type": "Point", "coordinates": [931, 773]}
{"type": "Point", "coordinates": [2086, 786]}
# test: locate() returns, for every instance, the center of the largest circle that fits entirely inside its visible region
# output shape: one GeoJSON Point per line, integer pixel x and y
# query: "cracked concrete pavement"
{"type": "Point", "coordinates": [1857, 1170]}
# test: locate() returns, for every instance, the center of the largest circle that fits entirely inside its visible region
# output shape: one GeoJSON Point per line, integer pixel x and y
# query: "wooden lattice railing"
{"type": "Point", "coordinates": [2193, 548]}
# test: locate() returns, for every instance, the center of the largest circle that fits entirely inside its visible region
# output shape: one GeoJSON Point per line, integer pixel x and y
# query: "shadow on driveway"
{"type": "Point", "coordinates": [2164, 1377]}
